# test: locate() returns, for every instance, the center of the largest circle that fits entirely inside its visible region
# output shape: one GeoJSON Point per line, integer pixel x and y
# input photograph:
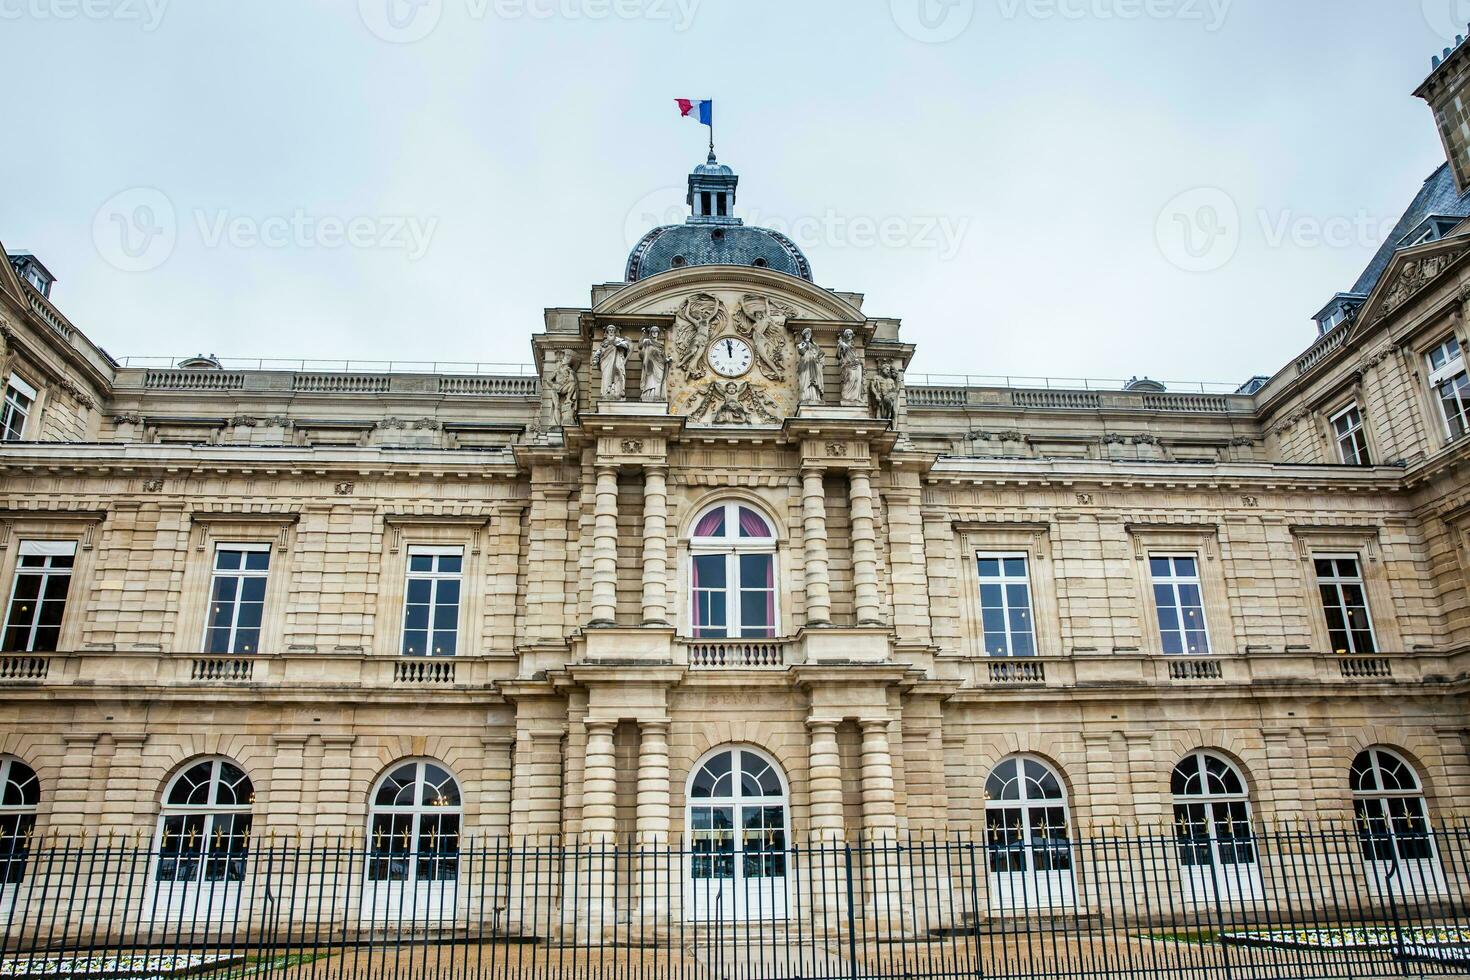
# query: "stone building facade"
{"type": "Point", "coordinates": [564, 604]}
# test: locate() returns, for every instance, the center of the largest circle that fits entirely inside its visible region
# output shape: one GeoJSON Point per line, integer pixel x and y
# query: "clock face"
{"type": "Point", "coordinates": [730, 356]}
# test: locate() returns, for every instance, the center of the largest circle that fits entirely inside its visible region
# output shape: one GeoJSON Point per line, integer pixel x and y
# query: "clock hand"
{"type": "Point", "coordinates": [730, 349]}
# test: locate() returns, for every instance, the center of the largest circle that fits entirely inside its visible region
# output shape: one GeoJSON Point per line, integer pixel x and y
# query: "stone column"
{"type": "Point", "coordinates": [121, 803]}
{"type": "Point", "coordinates": [864, 549]}
{"type": "Point", "coordinates": [653, 785]}
{"type": "Point", "coordinates": [599, 785]}
{"type": "Point", "coordinates": [334, 802]}
{"type": "Point", "coordinates": [814, 542]}
{"type": "Point", "coordinates": [880, 813]}
{"type": "Point", "coordinates": [74, 784]}
{"type": "Point", "coordinates": [655, 546]}
{"type": "Point", "coordinates": [657, 871]}
{"type": "Point", "coordinates": [825, 782]}
{"type": "Point", "coordinates": [605, 549]}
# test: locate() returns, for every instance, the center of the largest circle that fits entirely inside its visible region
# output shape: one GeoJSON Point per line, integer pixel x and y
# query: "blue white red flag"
{"type": "Point", "coordinates": [698, 110]}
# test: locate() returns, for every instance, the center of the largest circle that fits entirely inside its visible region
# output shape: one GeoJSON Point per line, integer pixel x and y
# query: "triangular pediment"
{"type": "Point", "coordinates": [1411, 271]}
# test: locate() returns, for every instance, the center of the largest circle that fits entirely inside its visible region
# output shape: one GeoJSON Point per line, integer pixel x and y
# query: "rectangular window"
{"type": "Point", "coordinates": [19, 399]}
{"type": "Point", "coordinates": [1005, 606]}
{"type": "Point", "coordinates": [1345, 603]}
{"type": "Point", "coordinates": [1352, 438]}
{"type": "Point", "coordinates": [1451, 385]}
{"type": "Point", "coordinates": [734, 596]}
{"type": "Point", "coordinates": [38, 595]}
{"type": "Point", "coordinates": [1180, 602]}
{"type": "Point", "coordinates": [431, 604]}
{"type": "Point", "coordinates": [237, 598]}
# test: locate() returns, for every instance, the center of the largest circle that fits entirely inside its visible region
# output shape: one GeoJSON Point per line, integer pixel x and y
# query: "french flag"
{"type": "Point", "coordinates": [698, 110]}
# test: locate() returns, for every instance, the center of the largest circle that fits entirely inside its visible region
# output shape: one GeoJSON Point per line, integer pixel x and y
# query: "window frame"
{"type": "Point", "coordinates": [1174, 580]}
{"type": "Point", "coordinates": [241, 574]}
{"type": "Point", "coordinates": [1040, 887]}
{"type": "Point", "coordinates": [434, 577]}
{"type": "Point", "coordinates": [1357, 434]}
{"type": "Point", "coordinates": [733, 548]}
{"type": "Point", "coordinates": [1452, 368]}
{"type": "Point", "coordinates": [15, 383]}
{"type": "Point", "coordinates": [1198, 885]}
{"type": "Point", "coordinates": [1338, 581]}
{"type": "Point", "coordinates": [1005, 581]}
{"type": "Point", "coordinates": [218, 890]}
{"type": "Point", "coordinates": [415, 812]}
{"type": "Point", "coordinates": [46, 574]}
{"type": "Point", "coordinates": [760, 895]}
{"type": "Point", "coordinates": [1392, 830]}
{"type": "Point", "coordinates": [15, 848]}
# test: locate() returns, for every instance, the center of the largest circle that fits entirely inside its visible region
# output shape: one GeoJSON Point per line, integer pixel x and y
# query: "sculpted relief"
{"type": "Point", "coordinates": [731, 360]}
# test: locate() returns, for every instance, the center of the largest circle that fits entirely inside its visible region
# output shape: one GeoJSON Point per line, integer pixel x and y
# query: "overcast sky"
{"type": "Point", "coordinates": [1089, 188]}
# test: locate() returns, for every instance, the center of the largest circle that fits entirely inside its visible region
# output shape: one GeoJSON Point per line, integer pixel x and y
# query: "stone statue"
{"type": "Point", "coordinates": [694, 324]}
{"type": "Point", "coordinates": [734, 404]}
{"type": "Point", "coordinates": [811, 386]}
{"type": "Point", "coordinates": [851, 360]}
{"type": "Point", "coordinates": [883, 391]}
{"type": "Point", "coordinates": [763, 320]}
{"type": "Point", "coordinates": [564, 389]}
{"type": "Point", "coordinates": [655, 365]}
{"type": "Point", "coordinates": [611, 356]}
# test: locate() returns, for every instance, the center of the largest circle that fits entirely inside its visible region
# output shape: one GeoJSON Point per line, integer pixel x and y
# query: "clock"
{"type": "Point", "coordinates": [730, 357]}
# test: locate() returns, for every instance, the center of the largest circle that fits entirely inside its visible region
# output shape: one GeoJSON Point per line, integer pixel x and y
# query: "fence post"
{"type": "Point", "coordinates": [852, 961]}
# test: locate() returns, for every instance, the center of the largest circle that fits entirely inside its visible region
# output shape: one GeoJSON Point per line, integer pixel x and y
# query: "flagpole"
{"type": "Point", "coordinates": [712, 129]}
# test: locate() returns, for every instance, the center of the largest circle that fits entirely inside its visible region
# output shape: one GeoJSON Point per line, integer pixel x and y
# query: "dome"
{"type": "Point", "coordinates": [681, 246]}
{"type": "Point", "coordinates": [712, 235]}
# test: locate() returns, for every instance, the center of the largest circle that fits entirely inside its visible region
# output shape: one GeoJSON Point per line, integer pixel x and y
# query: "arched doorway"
{"type": "Point", "coordinates": [1212, 829]}
{"type": "Point", "coordinates": [737, 824]}
{"type": "Point", "coordinates": [1027, 836]}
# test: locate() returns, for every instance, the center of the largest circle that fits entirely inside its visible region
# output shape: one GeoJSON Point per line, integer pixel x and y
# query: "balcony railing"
{"type": "Point", "coordinates": [738, 654]}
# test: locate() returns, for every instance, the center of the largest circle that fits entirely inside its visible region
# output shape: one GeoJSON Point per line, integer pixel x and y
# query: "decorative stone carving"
{"type": "Point", "coordinates": [247, 421]}
{"type": "Point", "coordinates": [851, 360]}
{"type": "Point", "coordinates": [611, 358]}
{"type": "Point", "coordinates": [883, 391]}
{"type": "Point", "coordinates": [1414, 276]}
{"type": "Point", "coordinates": [345, 489]}
{"type": "Point", "coordinates": [153, 486]}
{"type": "Point", "coordinates": [734, 403]}
{"type": "Point", "coordinates": [655, 362]}
{"type": "Point", "coordinates": [280, 421]}
{"type": "Point", "coordinates": [632, 447]}
{"type": "Point", "coordinates": [694, 324]}
{"type": "Point", "coordinates": [562, 391]}
{"type": "Point", "coordinates": [763, 321]}
{"type": "Point", "coordinates": [127, 418]}
{"type": "Point", "coordinates": [811, 386]}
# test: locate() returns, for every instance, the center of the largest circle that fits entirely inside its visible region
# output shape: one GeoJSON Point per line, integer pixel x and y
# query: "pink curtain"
{"type": "Point", "coordinates": [752, 526]}
{"type": "Point", "coordinates": [771, 593]}
{"type": "Point", "coordinates": [712, 525]}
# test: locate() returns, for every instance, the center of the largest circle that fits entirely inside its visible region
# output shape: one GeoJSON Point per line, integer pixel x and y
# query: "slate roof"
{"type": "Point", "coordinates": [1438, 197]}
{"type": "Point", "coordinates": [682, 246]}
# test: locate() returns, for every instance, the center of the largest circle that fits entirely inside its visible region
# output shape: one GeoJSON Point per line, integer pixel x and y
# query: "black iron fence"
{"type": "Point", "coordinates": [1366, 901]}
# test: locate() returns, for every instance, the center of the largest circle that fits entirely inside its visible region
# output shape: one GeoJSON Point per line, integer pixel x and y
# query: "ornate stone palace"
{"type": "Point", "coordinates": [718, 572]}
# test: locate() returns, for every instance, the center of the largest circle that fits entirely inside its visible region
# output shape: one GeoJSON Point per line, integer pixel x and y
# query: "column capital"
{"type": "Point", "coordinates": [599, 727]}
{"type": "Point", "coordinates": [876, 724]}
{"type": "Point", "coordinates": [654, 726]}
{"type": "Point", "coordinates": [818, 724]}
{"type": "Point", "coordinates": [129, 740]}
{"type": "Point", "coordinates": [338, 741]}
{"type": "Point", "coordinates": [290, 741]}
{"type": "Point", "coordinates": [79, 739]}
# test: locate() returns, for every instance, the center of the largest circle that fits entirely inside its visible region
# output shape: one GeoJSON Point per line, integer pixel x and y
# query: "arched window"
{"type": "Point", "coordinates": [1388, 808]}
{"type": "Point", "coordinates": [1212, 826]}
{"type": "Point", "coordinates": [1026, 830]}
{"type": "Point", "coordinates": [204, 824]}
{"type": "Point", "coordinates": [737, 825]}
{"type": "Point", "coordinates": [732, 575]}
{"type": "Point", "coordinates": [20, 796]}
{"type": "Point", "coordinates": [413, 831]}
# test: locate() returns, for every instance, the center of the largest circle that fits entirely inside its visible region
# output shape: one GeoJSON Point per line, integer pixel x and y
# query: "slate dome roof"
{"type": "Point", "coordinates": [712, 235]}
{"type": "Point", "coordinates": [681, 246]}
